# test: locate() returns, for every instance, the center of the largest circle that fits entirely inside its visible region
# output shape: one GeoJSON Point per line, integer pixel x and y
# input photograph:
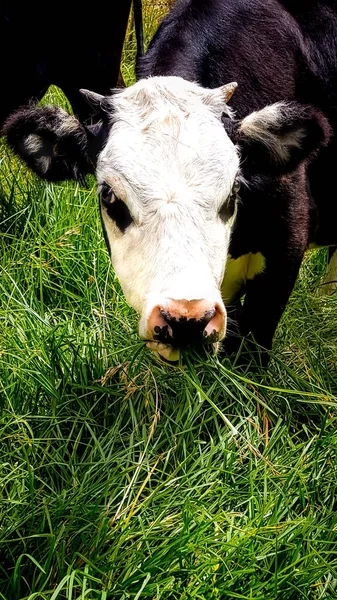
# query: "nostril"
{"type": "Point", "coordinates": [163, 333]}
{"type": "Point", "coordinates": [157, 327]}
{"type": "Point", "coordinates": [215, 327]}
{"type": "Point", "coordinates": [166, 315]}
{"type": "Point", "coordinates": [208, 316]}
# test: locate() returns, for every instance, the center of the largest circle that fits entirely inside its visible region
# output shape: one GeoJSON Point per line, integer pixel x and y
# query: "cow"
{"type": "Point", "coordinates": [62, 45]}
{"type": "Point", "coordinates": [204, 204]}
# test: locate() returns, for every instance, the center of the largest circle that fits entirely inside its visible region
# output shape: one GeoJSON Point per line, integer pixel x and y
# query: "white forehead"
{"type": "Point", "coordinates": [168, 144]}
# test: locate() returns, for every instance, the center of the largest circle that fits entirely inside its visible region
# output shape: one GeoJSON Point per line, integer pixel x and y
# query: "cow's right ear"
{"type": "Point", "coordinates": [277, 138]}
{"type": "Point", "coordinates": [54, 144]}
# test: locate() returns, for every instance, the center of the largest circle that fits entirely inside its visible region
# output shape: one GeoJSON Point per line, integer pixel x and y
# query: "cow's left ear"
{"type": "Point", "coordinates": [280, 136]}
{"type": "Point", "coordinates": [54, 144]}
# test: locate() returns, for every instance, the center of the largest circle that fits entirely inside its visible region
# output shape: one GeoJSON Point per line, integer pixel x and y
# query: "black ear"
{"type": "Point", "coordinates": [53, 143]}
{"type": "Point", "coordinates": [279, 137]}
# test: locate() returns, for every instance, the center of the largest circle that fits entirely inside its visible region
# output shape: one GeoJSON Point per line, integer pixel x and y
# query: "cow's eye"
{"type": "Point", "coordinates": [228, 208]}
{"type": "Point", "coordinates": [115, 208]}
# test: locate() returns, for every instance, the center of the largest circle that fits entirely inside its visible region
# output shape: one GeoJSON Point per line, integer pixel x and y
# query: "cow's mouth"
{"type": "Point", "coordinates": [167, 353]}
{"type": "Point", "coordinates": [170, 355]}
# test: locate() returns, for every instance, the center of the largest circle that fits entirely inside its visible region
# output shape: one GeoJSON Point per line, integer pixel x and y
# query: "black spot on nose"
{"type": "Point", "coordinates": [184, 332]}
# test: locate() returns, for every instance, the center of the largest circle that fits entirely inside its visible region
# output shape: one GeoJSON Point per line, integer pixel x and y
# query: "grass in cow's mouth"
{"type": "Point", "coordinates": [122, 478]}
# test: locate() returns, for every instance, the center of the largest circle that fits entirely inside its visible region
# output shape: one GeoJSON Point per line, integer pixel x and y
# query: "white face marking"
{"type": "Point", "coordinates": [168, 157]}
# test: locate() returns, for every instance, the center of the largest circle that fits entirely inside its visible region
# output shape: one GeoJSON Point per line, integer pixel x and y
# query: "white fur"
{"type": "Point", "coordinates": [33, 143]}
{"type": "Point", "coordinates": [43, 163]}
{"type": "Point", "coordinates": [168, 157]}
{"type": "Point", "coordinates": [68, 125]}
{"type": "Point", "coordinates": [257, 126]}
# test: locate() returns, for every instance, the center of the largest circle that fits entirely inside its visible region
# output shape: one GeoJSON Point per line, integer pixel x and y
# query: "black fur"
{"type": "Point", "coordinates": [65, 44]}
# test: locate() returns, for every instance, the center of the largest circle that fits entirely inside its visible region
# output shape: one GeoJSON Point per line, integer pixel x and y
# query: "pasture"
{"type": "Point", "coordinates": [122, 478]}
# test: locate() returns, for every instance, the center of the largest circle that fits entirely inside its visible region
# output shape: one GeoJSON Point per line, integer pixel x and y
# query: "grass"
{"type": "Point", "coordinates": [125, 479]}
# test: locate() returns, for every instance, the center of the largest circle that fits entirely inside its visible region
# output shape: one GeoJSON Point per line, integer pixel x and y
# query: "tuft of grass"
{"type": "Point", "coordinates": [153, 14]}
{"type": "Point", "coordinates": [122, 478]}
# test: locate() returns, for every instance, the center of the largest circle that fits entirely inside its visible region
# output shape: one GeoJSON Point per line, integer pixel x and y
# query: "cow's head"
{"type": "Point", "coordinates": [167, 173]}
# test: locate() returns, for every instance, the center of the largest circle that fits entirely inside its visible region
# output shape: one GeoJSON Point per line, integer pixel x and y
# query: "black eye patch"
{"type": "Point", "coordinates": [115, 208]}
